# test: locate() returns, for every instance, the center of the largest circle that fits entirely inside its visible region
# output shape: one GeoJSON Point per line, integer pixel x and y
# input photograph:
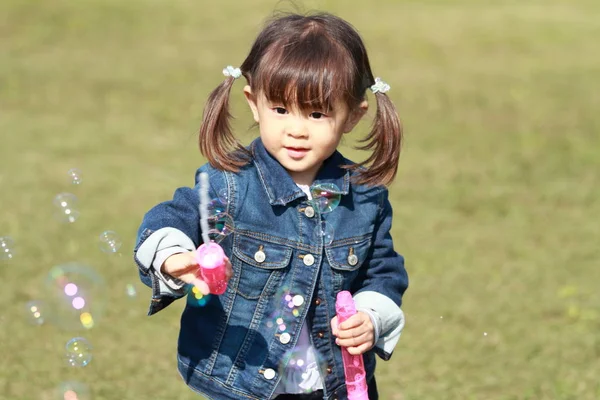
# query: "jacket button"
{"type": "Point", "coordinates": [297, 300]}
{"type": "Point", "coordinates": [321, 334]}
{"type": "Point", "coordinates": [308, 260]}
{"type": "Point", "coordinates": [317, 301]}
{"type": "Point", "coordinates": [269, 374]}
{"type": "Point", "coordinates": [260, 256]}
{"type": "Point", "coordinates": [352, 259]}
{"type": "Point", "coordinates": [285, 338]}
{"type": "Point", "coordinates": [329, 370]}
{"type": "Point", "coordinates": [309, 212]}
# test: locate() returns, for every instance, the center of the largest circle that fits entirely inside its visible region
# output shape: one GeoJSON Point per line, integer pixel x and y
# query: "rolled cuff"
{"type": "Point", "coordinates": [153, 252]}
{"type": "Point", "coordinates": [161, 256]}
{"type": "Point", "coordinates": [389, 317]}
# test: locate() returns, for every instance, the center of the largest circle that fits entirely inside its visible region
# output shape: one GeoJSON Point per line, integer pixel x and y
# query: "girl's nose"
{"type": "Point", "coordinates": [296, 128]}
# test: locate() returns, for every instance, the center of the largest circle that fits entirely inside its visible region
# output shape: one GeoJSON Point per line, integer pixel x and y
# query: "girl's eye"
{"type": "Point", "coordinates": [317, 115]}
{"type": "Point", "coordinates": [280, 110]}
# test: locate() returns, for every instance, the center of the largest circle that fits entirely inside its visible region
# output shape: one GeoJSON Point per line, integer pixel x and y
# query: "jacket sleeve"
{"type": "Point", "coordinates": [382, 282]}
{"type": "Point", "coordinates": [168, 228]}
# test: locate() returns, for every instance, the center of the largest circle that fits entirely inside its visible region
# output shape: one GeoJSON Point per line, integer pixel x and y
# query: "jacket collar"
{"type": "Point", "coordinates": [279, 185]}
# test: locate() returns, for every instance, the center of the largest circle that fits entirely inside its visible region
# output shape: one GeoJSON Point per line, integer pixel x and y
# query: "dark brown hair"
{"type": "Point", "coordinates": [308, 61]}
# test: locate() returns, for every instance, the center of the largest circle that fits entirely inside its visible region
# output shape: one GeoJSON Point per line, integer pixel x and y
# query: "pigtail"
{"type": "Point", "coordinates": [216, 140]}
{"type": "Point", "coordinates": [384, 141]}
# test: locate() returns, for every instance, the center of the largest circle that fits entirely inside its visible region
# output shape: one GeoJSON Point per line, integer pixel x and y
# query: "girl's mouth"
{"type": "Point", "coordinates": [296, 153]}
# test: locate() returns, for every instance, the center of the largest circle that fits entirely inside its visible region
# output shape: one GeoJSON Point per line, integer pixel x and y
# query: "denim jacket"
{"type": "Point", "coordinates": [229, 348]}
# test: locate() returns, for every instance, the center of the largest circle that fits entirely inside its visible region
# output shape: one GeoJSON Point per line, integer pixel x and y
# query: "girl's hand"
{"type": "Point", "coordinates": [184, 266]}
{"type": "Point", "coordinates": [356, 333]}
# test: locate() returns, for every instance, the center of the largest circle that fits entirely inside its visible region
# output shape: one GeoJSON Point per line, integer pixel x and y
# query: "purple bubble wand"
{"type": "Point", "coordinates": [354, 367]}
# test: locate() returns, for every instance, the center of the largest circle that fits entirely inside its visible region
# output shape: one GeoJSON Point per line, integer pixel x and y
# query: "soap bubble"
{"type": "Point", "coordinates": [36, 312]}
{"type": "Point", "coordinates": [78, 352]}
{"type": "Point", "coordinates": [223, 195]}
{"type": "Point", "coordinates": [75, 296]}
{"type": "Point", "coordinates": [110, 242]}
{"type": "Point", "coordinates": [220, 226]}
{"type": "Point", "coordinates": [215, 207]}
{"type": "Point", "coordinates": [130, 290]}
{"type": "Point", "coordinates": [74, 176]}
{"type": "Point", "coordinates": [280, 323]}
{"type": "Point", "coordinates": [293, 303]}
{"type": "Point", "coordinates": [325, 196]}
{"type": "Point", "coordinates": [288, 307]}
{"type": "Point", "coordinates": [66, 207]}
{"type": "Point", "coordinates": [7, 248]}
{"type": "Point", "coordinates": [72, 390]}
{"type": "Point", "coordinates": [324, 230]}
{"type": "Point", "coordinates": [195, 298]}
{"type": "Point", "coordinates": [300, 369]}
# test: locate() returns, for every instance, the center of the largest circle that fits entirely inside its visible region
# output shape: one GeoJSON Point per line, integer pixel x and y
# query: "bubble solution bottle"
{"type": "Point", "coordinates": [211, 259]}
{"type": "Point", "coordinates": [354, 368]}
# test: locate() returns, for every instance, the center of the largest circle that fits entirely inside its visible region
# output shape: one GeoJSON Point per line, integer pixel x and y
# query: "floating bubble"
{"type": "Point", "coordinates": [195, 298]}
{"type": "Point", "coordinates": [300, 370]}
{"type": "Point", "coordinates": [35, 312]}
{"type": "Point", "coordinates": [72, 390]}
{"type": "Point", "coordinates": [216, 207]}
{"type": "Point", "coordinates": [7, 248]}
{"type": "Point", "coordinates": [288, 307]}
{"type": "Point", "coordinates": [223, 195]}
{"type": "Point", "coordinates": [130, 290]}
{"type": "Point", "coordinates": [75, 296]}
{"type": "Point", "coordinates": [325, 196]}
{"type": "Point", "coordinates": [78, 352]}
{"type": "Point", "coordinates": [220, 226]}
{"type": "Point", "coordinates": [324, 230]}
{"type": "Point", "coordinates": [110, 242]}
{"type": "Point", "coordinates": [74, 176]}
{"type": "Point", "coordinates": [66, 208]}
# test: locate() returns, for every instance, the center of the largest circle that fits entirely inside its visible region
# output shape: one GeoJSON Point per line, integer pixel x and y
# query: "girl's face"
{"type": "Point", "coordinates": [301, 140]}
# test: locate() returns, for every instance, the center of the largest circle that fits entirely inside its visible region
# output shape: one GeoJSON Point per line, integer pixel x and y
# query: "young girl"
{"type": "Point", "coordinates": [273, 334]}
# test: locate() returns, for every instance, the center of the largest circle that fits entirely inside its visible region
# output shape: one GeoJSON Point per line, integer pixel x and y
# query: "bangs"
{"type": "Point", "coordinates": [310, 72]}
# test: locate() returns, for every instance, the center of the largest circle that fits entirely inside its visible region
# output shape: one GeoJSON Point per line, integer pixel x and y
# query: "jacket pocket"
{"type": "Point", "coordinates": [345, 258]}
{"type": "Point", "coordinates": [259, 264]}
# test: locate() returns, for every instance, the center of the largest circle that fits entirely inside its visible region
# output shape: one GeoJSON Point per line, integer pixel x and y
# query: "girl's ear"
{"type": "Point", "coordinates": [355, 116]}
{"type": "Point", "coordinates": [251, 99]}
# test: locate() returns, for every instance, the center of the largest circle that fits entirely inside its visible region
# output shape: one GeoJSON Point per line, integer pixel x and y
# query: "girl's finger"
{"type": "Point", "coordinates": [228, 269]}
{"type": "Point", "coordinates": [354, 321]}
{"type": "Point", "coordinates": [334, 326]}
{"type": "Point", "coordinates": [354, 341]}
{"type": "Point", "coordinates": [201, 285]}
{"type": "Point", "coordinates": [354, 332]}
{"type": "Point", "coordinates": [359, 349]}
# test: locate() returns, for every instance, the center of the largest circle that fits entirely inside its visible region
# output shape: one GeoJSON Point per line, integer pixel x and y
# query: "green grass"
{"type": "Point", "coordinates": [496, 202]}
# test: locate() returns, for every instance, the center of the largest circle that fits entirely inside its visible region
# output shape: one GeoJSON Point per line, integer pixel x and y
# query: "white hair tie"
{"type": "Point", "coordinates": [230, 71]}
{"type": "Point", "coordinates": [380, 86]}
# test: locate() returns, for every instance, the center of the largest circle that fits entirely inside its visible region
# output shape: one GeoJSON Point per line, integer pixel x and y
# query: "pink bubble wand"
{"type": "Point", "coordinates": [354, 367]}
{"type": "Point", "coordinates": [209, 256]}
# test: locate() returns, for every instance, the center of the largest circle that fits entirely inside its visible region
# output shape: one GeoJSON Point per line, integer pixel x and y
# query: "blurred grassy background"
{"type": "Point", "coordinates": [496, 202]}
